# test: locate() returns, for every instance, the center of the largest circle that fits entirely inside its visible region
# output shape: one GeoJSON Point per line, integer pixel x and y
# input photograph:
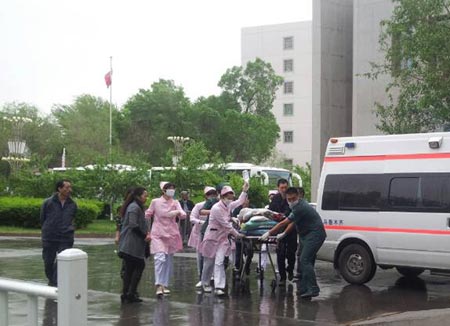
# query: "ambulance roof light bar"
{"type": "Point", "coordinates": [435, 142]}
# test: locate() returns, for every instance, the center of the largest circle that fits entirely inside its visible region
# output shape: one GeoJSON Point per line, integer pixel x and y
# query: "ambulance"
{"type": "Point", "coordinates": [385, 202]}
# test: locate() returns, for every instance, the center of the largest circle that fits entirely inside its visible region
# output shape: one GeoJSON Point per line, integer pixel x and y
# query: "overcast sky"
{"type": "Point", "coordinates": [53, 50]}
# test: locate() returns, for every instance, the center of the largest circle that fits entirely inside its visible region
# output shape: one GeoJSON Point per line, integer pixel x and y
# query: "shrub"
{"type": "Point", "coordinates": [25, 212]}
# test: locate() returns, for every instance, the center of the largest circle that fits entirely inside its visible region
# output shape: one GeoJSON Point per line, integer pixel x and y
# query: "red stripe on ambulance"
{"type": "Point", "coordinates": [390, 230]}
{"type": "Point", "coordinates": [387, 157]}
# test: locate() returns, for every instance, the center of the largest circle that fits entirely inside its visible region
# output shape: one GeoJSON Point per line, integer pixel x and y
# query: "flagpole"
{"type": "Point", "coordinates": [111, 216]}
{"type": "Point", "coordinates": [110, 111]}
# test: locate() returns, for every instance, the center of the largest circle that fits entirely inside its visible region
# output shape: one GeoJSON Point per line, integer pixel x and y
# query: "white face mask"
{"type": "Point", "coordinates": [170, 192]}
{"type": "Point", "coordinates": [227, 201]}
{"type": "Point", "coordinates": [293, 203]}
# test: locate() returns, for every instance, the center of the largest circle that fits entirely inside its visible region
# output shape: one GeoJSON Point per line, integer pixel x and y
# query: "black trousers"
{"type": "Point", "coordinates": [133, 268]}
{"type": "Point", "coordinates": [49, 251]}
{"type": "Point", "coordinates": [286, 250]}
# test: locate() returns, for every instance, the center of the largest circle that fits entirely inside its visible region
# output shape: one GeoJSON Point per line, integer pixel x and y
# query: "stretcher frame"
{"type": "Point", "coordinates": [250, 246]}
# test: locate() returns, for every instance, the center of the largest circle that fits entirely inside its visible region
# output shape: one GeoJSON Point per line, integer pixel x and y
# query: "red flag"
{"type": "Point", "coordinates": [108, 79]}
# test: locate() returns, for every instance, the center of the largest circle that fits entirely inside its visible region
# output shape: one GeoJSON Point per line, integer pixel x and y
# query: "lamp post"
{"type": "Point", "coordinates": [17, 148]}
{"type": "Point", "coordinates": [178, 142]}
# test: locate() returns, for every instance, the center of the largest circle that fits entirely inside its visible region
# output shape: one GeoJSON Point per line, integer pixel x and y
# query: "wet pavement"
{"type": "Point", "coordinates": [247, 303]}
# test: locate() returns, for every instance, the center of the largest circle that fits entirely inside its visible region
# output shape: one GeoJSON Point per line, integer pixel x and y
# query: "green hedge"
{"type": "Point", "coordinates": [25, 212]}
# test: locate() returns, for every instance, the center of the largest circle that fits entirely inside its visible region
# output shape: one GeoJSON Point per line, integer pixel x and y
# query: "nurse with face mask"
{"type": "Point", "coordinates": [216, 244]}
{"type": "Point", "coordinates": [164, 235]}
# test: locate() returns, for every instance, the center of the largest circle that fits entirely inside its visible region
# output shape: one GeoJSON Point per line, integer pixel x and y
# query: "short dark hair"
{"type": "Point", "coordinates": [301, 191]}
{"type": "Point", "coordinates": [281, 181]}
{"type": "Point", "coordinates": [292, 191]}
{"type": "Point", "coordinates": [60, 184]}
{"type": "Point", "coordinates": [169, 185]}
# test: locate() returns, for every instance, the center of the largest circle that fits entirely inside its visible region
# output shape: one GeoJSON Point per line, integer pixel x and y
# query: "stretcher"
{"type": "Point", "coordinates": [250, 246]}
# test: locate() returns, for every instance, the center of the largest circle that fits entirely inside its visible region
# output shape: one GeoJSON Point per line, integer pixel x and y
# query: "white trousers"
{"type": "Point", "coordinates": [163, 268]}
{"type": "Point", "coordinates": [215, 265]}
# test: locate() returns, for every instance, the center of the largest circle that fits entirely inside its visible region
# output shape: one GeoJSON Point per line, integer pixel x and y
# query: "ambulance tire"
{"type": "Point", "coordinates": [356, 264]}
{"type": "Point", "coordinates": [410, 271]}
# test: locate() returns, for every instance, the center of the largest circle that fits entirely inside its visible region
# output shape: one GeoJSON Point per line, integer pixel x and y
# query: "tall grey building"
{"type": "Point", "coordinates": [345, 41]}
{"type": "Point", "coordinates": [288, 47]}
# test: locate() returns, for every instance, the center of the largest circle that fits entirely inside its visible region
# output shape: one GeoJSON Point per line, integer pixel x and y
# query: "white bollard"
{"type": "Point", "coordinates": [3, 308]}
{"type": "Point", "coordinates": [72, 288]}
{"type": "Point", "coordinates": [32, 310]}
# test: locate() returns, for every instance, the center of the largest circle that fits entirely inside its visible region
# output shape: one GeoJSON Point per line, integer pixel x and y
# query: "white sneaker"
{"type": "Point", "coordinates": [219, 292]}
{"type": "Point", "coordinates": [199, 285]}
{"type": "Point", "coordinates": [159, 290]}
{"type": "Point", "coordinates": [207, 289]}
{"type": "Point", "coordinates": [166, 290]}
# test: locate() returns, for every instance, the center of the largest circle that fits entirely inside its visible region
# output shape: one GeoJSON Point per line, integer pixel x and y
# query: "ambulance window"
{"type": "Point", "coordinates": [360, 192]}
{"type": "Point", "coordinates": [352, 192]}
{"type": "Point", "coordinates": [435, 191]}
{"type": "Point", "coordinates": [403, 192]}
{"type": "Point", "coordinates": [330, 199]}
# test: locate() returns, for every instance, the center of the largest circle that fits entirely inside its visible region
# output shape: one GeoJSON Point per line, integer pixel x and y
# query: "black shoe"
{"type": "Point", "coordinates": [282, 283]}
{"type": "Point", "coordinates": [134, 298]}
{"type": "Point", "coordinates": [290, 276]}
{"type": "Point", "coordinates": [297, 278]}
{"type": "Point", "coordinates": [124, 298]}
{"type": "Point", "coordinates": [309, 295]}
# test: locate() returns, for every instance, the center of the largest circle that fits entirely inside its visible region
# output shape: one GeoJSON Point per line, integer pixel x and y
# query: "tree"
{"type": "Point", "coordinates": [253, 87]}
{"type": "Point", "coordinates": [240, 137]}
{"type": "Point", "coordinates": [416, 43]}
{"type": "Point", "coordinates": [305, 174]}
{"type": "Point", "coordinates": [150, 116]}
{"type": "Point", "coordinates": [42, 134]}
{"type": "Point", "coordinates": [190, 172]}
{"type": "Point", "coordinates": [85, 126]}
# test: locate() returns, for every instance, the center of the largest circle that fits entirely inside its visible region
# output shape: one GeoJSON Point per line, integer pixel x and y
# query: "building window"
{"type": "Point", "coordinates": [288, 43]}
{"type": "Point", "coordinates": [289, 163]}
{"type": "Point", "coordinates": [288, 109]}
{"type": "Point", "coordinates": [288, 87]}
{"type": "Point", "coordinates": [288, 136]}
{"type": "Point", "coordinates": [288, 65]}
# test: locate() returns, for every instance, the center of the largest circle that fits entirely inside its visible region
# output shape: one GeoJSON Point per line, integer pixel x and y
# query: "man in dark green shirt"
{"type": "Point", "coordinates": [312, 235]}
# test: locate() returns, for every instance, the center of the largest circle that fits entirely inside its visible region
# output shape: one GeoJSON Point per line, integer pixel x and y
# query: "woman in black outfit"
{"type": "Point", "coordinates": [132, 243]}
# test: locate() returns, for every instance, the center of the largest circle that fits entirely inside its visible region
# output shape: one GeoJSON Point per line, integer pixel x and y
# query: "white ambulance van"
{"type": "Point", "coordinates": [385, 201]}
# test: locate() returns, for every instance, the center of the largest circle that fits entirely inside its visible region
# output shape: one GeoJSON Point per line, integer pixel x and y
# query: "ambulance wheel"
{"type": "Point", "coordinates": [410, 271]}
{"type": "Point", "coordinates": [356, 264]}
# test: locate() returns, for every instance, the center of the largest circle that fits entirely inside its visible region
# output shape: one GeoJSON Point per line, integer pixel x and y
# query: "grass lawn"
{"type": "Point", "coordinates": [98, 227]}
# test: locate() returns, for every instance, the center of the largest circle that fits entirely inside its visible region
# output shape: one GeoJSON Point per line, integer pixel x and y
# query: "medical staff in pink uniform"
{"type": "Point", "coordinates": [164, 235]}
{"type": "Point", "coordinates": [197, 221]}
{"type": "Point", "coordinates": [216, 244]}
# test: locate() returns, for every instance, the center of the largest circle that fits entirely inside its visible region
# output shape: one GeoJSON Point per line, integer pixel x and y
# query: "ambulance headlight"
{"type": "Point", "coordinates": [435, 142]}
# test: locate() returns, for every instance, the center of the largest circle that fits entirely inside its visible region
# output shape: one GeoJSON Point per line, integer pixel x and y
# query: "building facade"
{"type": "Point", "coordinates": [288, 48]}
{"type": "Point", "coordinates": [345, 42]}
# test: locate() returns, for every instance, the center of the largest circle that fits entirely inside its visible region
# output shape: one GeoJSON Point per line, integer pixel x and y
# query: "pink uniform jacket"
{"type": "Point", "coordinates": [165, 235]}
{"type": "Point", "coordinates": [219, 227]}
{"type": "Point", "coordinates": [196, 220]}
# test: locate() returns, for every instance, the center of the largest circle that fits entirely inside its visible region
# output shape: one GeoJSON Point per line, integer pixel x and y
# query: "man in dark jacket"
{"type": "Point", "coordinates": [185, 225]}
{"type": "Point", "coordinates": [312, 235]}
{"type": "Point", "coordinates": [287, 246]}
{"type": "Point", "coordinates": [57, 222]}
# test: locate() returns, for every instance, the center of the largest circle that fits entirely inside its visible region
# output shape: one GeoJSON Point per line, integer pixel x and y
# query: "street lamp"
{"type": "Point", "coordinates": [17, 148]}
{"type": "Point", "coordinates": [178, 142]}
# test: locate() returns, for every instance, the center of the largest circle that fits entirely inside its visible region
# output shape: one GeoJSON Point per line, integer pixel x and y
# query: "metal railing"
{"type": "Point", "coordinates": [71, 293]}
